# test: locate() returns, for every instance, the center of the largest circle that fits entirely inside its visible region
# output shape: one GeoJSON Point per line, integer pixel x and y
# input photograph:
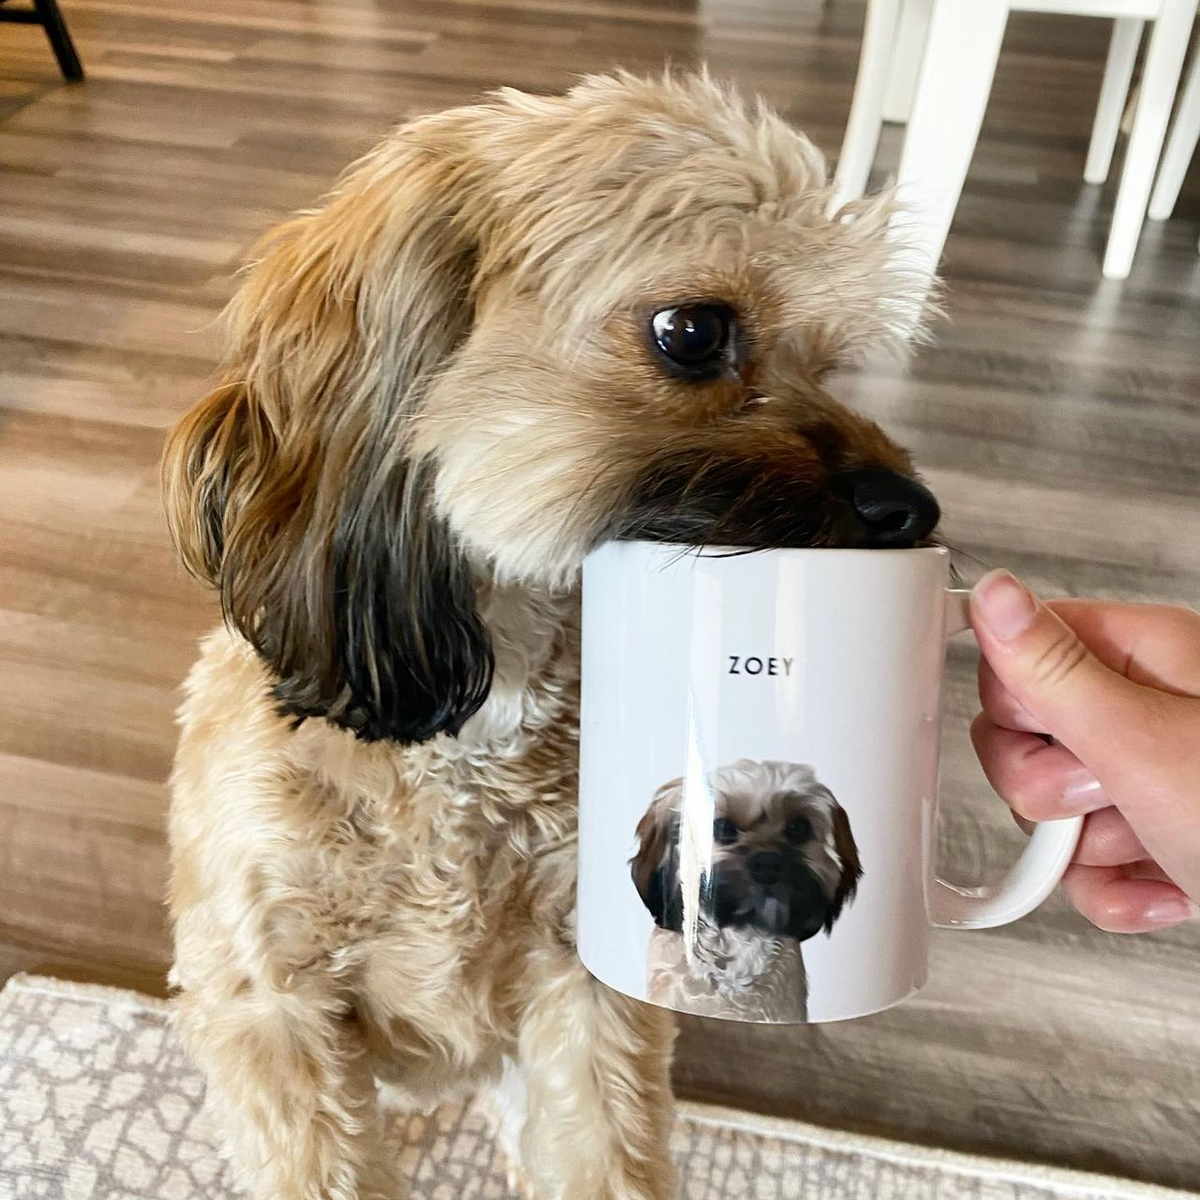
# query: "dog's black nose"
{"type": "Point", "coordinates": [765, 867]}
{"type": "Point", "coordinates": [892, 509]}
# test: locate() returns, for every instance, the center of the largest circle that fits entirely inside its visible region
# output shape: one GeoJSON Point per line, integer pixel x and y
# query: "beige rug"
{"type": "Point", "coordinates": [98, 1103]}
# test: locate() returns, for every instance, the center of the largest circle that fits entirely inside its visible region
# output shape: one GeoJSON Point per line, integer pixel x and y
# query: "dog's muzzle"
{"type": "Point", "coordinates": [775, 897]}
{"type": "Point", "coordinates": [745, 502]}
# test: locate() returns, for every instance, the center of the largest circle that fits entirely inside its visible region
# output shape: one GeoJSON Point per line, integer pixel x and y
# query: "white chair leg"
{"type": "Point", "coordinates": [1181, 145]}
{"type": "Point", "coordinates": [1160, 78]}
{"type": "Point", "coordinates": [866, 110]}
{"type": "Point", "coordinates": [1118, 70]}
{"type": "Point", "coordinates": [906, 60]}
{"type": "Point", "coordinates": [952, 93]}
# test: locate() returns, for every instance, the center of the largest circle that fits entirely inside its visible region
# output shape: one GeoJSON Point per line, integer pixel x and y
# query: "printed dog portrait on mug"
{"type": "Point", "coordinates": [738, 869]}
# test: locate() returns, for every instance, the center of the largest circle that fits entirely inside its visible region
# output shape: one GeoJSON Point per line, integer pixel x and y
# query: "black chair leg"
{"type": "Point", "coordinates": [60, 39]}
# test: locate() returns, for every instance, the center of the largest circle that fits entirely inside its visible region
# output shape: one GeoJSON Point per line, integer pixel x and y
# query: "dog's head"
{"type": "Point", "coordinates": [781, 860]}
{"type": "Point", "coordinates": [511, 332]}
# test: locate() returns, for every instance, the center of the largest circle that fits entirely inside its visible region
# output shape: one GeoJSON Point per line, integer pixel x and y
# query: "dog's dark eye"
{"type": "Point", "coordinates": [694, 339]}
{"type": "Point", "coordinates": [724, 831]}
{"type": "Point", "coordinates": [798, 829]}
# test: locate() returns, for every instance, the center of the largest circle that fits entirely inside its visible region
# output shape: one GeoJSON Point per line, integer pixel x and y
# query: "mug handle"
{"type": "Point", "coordinates": [1032, 877]}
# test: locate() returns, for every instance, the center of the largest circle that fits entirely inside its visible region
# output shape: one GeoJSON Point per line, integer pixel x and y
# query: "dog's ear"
{"type": "Point", "coordinates": [653, 868]}
{"type": "Point", "coordinates": [291, 488]}
{"type": "Point", "coordinates": [847, 852]}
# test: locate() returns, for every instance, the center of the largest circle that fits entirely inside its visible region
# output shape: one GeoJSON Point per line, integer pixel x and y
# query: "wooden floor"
{"type": "Point", "coordinates": [1058, 418]}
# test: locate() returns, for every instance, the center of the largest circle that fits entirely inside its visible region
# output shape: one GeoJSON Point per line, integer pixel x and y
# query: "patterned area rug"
{"type": "Point", "coordinates": [98, 1103]}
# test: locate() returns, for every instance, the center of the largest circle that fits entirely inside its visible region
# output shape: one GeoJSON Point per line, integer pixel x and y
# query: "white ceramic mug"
{"type": "Point", "coordinates": [758, 780]}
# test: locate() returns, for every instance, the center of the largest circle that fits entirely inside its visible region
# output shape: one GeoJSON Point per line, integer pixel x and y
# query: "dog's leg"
{"type": "Point", "coordinates": [597, 1068]}
{"type": "Point", "coordinates": [291, 1091]}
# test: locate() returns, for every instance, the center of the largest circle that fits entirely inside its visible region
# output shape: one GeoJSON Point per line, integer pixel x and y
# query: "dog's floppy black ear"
{"type": "Point", "coordinates": [351, 589]}
{"type": "Point", "coordinates": [291, 487]}
{"type": "Point", "coordinates": [663, 902]}
{"type": "Point", "coordinates": [407, 655]}
{"type": "Point", "coordinates": [847, 852]}
{"type": "Point", "coordinates": [654, 867]}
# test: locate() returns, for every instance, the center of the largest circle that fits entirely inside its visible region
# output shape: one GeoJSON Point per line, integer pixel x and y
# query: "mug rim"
{"type": "Point", "coordinates": [689, 549]}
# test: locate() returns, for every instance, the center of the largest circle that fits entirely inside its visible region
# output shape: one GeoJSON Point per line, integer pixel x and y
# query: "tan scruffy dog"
{"type": "Point", "coordinates": [512, 331]}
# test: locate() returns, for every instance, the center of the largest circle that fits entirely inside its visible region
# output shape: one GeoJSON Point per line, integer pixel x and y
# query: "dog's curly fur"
{"type": "Point", "coordinates": [439, 396]}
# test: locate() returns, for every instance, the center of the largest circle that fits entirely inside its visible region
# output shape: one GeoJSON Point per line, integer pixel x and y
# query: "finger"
{"type": "Point", "coordinates": [1153, 644]}
{"type": "Point", "coordinates": [1108, 841]}
{"type": "Point", "coordinates": [1024, 824]}
{"type": "Point", "coordinates": [1147, 869]}
{"type": "Point", "coordinates": [1040, 781]}
{"type": "Point", "coordinates": [1111, 901]}
{"type": "Point", "coordinates": [1099, 714]}
{"type": "Point", "coordinates": [1000, 704]}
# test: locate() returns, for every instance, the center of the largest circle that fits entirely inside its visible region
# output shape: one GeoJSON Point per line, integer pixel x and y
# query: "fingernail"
{"type": "Point", "coordinates": [1171, 911]}
{"type": "Point", "coordinates": [1004, 605]}
{"type": "Point", "coordinates": [1081, 784]}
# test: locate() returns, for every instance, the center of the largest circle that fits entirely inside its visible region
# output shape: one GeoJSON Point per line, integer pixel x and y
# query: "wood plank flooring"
{"type": "Point", "coordinates": [1058, 418]}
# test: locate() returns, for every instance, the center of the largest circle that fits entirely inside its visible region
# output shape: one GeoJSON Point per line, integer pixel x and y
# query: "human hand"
{"type": "Point", "coordinates": [1117, 686]}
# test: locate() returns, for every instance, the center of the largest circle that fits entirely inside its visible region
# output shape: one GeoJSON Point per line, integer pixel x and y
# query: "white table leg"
{"type": "Point", "coordinates": [1181, 145]}
{"type": "Point", "coordinates": [1118, 70]}
{"type": "Point", "coordinates": [866, 110]}
{"type": "Point", "coordinates": [906, 60]}
{"type": "Point", "coordinates": [952, 93]}
{"type": "Point", "coordinates": [1160, 78]}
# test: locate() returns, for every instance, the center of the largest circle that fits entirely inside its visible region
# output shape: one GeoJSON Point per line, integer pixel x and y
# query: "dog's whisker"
{"type": "Point", "coordinates": [956, 576]}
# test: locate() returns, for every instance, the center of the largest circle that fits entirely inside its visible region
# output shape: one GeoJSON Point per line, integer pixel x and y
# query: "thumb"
{"type": "Point", "coordinates": [1098, 714]}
